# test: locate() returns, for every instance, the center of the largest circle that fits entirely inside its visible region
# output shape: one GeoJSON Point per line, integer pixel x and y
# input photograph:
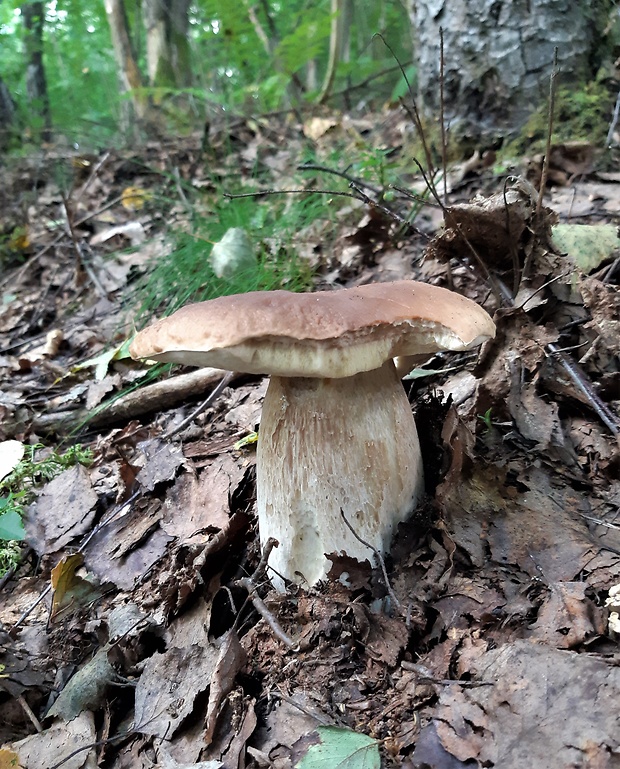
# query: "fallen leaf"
{"type": "Point", "coordinates": [70, 590]}
{"type": "Point", "coordinates": [85, 691]}
{"type": "Point", "coordinates": [197, 505]}
{"type": "Point", "coordinates": [586, 245]}
{"type": "Point", "coordinates": [159, 462]}
{"type": "Point", "coordinates": [71, 745]}
{"type": "Point", "coordinates": [63, 512]}
{"type": "Point", "coordinates": [9, 760]}
{"type": "Point", "coordinates": [568, 617]}
{"type": "Point", "coordinates": [126, 548]}
{"type": "Point", "coordinates": [169, 685]}
{"type": "Point", "coordinates": [230, 661]}
{"type": "Point", "coordinates": [539, 702]}
{"type": "Point", "coordinates": [330, 747]}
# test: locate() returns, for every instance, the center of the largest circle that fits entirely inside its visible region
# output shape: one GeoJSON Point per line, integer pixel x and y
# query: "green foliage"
{"type": "Point", "coordinates": [229, 61]}
{"type": "Point", "coordinates": [10, 553]}
{"type": "Point", "coordinates": [185, 274]}
{"type": "Point", "coordinates": [486, 419]}
{"type": "Point", "coordinates": [17, 488]}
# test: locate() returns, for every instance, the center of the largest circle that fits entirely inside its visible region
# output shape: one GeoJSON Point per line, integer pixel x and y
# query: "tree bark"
{"type": "Point", "coordinates": [33, 15]}
{"type": "Point", "coordinates": [167, 43]}
{"type": "Point", "coordinates": [127, 67]}
{"type": "Point", "coordinates": [498, 57]}
{"type": "Point", "coordinates": [335, 48]}
{"type": "Point", "coordinates": [8, 128]}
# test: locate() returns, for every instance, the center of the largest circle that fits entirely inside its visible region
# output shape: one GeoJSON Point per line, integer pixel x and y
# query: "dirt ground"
{"type": "Point", "coordinates": [128, 635]}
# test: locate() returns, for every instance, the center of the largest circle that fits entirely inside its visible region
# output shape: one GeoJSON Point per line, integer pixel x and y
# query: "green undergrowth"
{"type": "Point", "coordinates": [184, 274]}
{"type": "Point", "coordinates": [18, 490]}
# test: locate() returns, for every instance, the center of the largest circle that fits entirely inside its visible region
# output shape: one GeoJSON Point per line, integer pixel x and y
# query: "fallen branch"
{"type": "Point", "coordinates": [158, 396]}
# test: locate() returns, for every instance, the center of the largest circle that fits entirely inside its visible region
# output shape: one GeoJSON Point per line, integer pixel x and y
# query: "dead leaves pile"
{"type": "Point", "coordinates": [135, 645]}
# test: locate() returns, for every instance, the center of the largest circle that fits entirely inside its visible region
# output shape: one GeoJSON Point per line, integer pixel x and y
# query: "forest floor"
{"type": "Point", "coordinates": [126, 637]}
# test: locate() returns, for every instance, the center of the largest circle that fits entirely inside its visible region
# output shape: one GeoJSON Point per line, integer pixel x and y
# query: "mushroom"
{"type": "Point", "coordinates": [337, 433]}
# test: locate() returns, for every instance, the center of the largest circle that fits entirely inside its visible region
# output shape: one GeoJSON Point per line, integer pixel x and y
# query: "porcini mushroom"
{"type": "Point", "coordinates": [336, 431]}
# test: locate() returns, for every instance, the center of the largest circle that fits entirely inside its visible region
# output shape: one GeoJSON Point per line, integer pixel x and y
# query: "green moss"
{"type": "Point", "coordinates": [580, 115]}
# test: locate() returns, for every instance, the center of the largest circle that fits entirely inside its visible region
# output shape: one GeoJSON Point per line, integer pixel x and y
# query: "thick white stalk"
{"type": "Point", "coordinates": [331, 444]}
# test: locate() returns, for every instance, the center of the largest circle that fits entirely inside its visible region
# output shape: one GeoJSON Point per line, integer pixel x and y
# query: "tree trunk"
{"type": "Point", "coordinates": [167, 43]}
{"type": "Point", "coordinates": [127, 68]}
{"type": "Point", "coordinates": [8, 127]}
{"type": "Point", "coordinates": [336, 39]}
{"type": "Point", "coordinates": [33, 15]}
{"type": "Point", "coordinates": [498, 57]}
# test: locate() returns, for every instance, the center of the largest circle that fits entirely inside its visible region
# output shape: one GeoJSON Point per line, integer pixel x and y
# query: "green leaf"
{"type": "Point", "coordinates": [102, 361]}
{"type": "Point", "coordinates": [11, 527]}
{"type": "Point", "coordinates": [588, 245]}
{"type": "Point", "coordinates": [339, 749]}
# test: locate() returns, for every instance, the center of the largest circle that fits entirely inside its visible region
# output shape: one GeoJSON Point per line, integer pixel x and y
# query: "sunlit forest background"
{"type": "Point", "coordinates": [185, 62]}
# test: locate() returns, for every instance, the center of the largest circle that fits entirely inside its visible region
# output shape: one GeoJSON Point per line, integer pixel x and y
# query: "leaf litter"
{"type": "Point", "coordinates": [128, 637]}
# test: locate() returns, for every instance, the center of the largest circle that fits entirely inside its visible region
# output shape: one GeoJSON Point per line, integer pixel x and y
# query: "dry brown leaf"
{"type": "Point", "coordinates": [541, 529]}
{"type": "Point", "coordinates": [568, 617]}
{"type": "Point", "coordinates": [169, 685]}
{"type": "Point", "coordinates": [230, 661]}
{"type": "Point", "coordinates": [196, 505]}
{"type": "Point", "coordinates": [70, 744]}
{"type": "Point", "coordinates": [63, 512]}
{"type": "Point", "coordinates": [126, 548]}
{"type": "Point", "coordinates": [539, 702]}
{"type": "Point", "coordinates": [159, 462]}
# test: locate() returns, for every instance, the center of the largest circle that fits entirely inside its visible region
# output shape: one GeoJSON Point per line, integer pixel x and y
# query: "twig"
{"type": "Point", "coordinates": [154, 397]}
{"type": "Point", "coordinates": [442, 117]}
{"type": "Point", "coordinates": [28, 711]}
{"type": "Point", "coordinates": [379, 558]}
{"type": "Point", "coordinates": [261, 193]}
{"type": "Point", "coordinates": [599, 522]}
{"type": "Point", "coordinates": [93, 174]}
{"type": "Point", "coordinates": [81, 262]}
{"type": "Point", "coordinates": [249, 584]}
{"type": "Point", "coordinates": [545, 166]}
{"type": "Point", "coordinates": [516, 267]}
{"type": "Point", "coordinates": [580, 380]}
{"type": "Point", "coordinates": [427, 675]}
{"type": "Point", "coordinates": [97, 744]}
{"type": "Point", "coordinates": [341, 174]}
{"type": "Point", "coordinates": [413, 111]}
{"type": "Point", "coordinates": [217, 390]}
{"type": "Point", "coordinates": [277, 693]}
{"type": "Point", "coordinates": [388, 211]}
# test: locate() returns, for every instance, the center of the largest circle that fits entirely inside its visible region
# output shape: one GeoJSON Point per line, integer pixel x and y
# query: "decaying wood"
{"type": "Point", "coordinates": [155, 397]}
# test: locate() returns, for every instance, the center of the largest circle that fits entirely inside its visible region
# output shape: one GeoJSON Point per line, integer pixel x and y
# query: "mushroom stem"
{"type": "Point", "coordinates": [331, 444]}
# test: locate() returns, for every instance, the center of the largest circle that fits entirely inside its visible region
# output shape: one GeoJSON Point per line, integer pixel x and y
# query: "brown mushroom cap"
{"type": "Point", "coordinates": [324, 334]}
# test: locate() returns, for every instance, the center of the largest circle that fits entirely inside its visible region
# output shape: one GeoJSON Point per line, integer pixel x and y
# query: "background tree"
{"type": "Point", "coordinates": [33, 16]}
{"type": "Point", "coordinates": [498, 56]}
{"type": "Point", "coordinates": [7, 116]}
{"type": "Point", "coordinates": [167, 43]}
{"type": "Point", "coordinates": [129, 74]}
